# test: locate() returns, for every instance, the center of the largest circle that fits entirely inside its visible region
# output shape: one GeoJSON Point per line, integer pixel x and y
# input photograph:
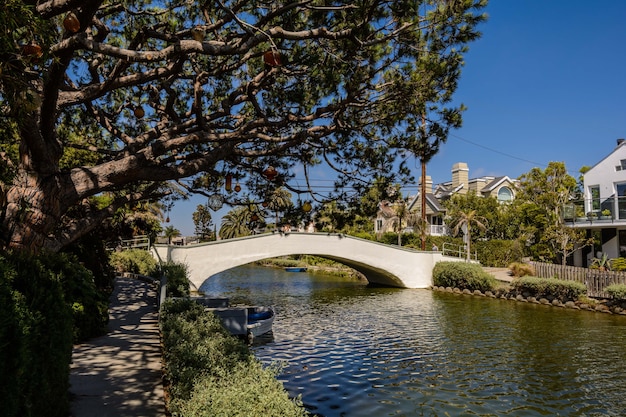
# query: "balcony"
{"type": "Point", "coordinates": [596, 213]}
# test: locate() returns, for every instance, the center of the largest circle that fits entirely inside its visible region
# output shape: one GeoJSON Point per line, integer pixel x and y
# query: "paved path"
{"type": "Point", "coordinates": [501, 274]}
{"type": "Point", "coordinates": [119, 374]}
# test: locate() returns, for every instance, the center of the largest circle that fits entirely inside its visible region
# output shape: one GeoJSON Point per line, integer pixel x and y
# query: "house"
{"type": "Point", "coordinates": [502, 188]}
{"type": "Point", "coordinates": [603, 208]}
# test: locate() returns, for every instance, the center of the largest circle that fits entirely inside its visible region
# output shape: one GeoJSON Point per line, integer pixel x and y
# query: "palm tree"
{"type": "Point", "coordinates": [235, 223]}
{"type": "Point", "coordinates": [464, 222]}
{"type": "Point", "coordinates": [171, 232]}
{"type": "Point", "coordinates": [401, 212]}
{"type": "Point", "coordinates": [278, 201]}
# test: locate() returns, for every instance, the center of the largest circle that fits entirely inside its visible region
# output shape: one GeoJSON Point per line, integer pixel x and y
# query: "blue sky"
{"type": "Point", "coordinates": [546, 82]}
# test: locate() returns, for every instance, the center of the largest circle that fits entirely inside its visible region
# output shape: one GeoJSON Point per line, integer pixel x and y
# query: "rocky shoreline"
{"type": "Point", "coordinates": [596, 305]}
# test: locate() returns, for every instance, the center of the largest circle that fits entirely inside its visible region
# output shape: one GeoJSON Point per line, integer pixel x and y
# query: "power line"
{"type": "Point", "coordinates": [497, 151]}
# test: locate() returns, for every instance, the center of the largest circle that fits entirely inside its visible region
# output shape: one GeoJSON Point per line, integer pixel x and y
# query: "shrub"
{"type": "Point", "coordinates": [519, 269]}
{"type": "Point", "coordinates": [213, 373]}
{"type": "Point", "coordinates": [617, 291]}
{"type": "Point", "coordinates": [498, 253]}
{"type": "Point", "coordinates": [136, 261]}
{"type": "Point", "coordinates": [177, 278]}
{"type": "Point", "coordinates": [239, 390]}
{"type": "Point", "coordinates": [546, 287]}
{"type": "Point", "coordinates": [462, 275]}
{"type": "Point", "coordinates": [35, 338]}
{"type": "Point", "coordinates": [618, 264]}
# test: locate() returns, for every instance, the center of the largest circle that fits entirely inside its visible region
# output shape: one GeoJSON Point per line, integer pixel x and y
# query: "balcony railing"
{"type": "Point", "coordinates": [595, 210]}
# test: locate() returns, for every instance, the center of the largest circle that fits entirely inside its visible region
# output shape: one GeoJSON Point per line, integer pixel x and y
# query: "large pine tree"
{"type": "Point", "coordinates": [120, 98]}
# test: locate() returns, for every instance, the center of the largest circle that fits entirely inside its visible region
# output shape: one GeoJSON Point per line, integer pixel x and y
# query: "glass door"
{"type": "Point", "coordinates": [621, 200]}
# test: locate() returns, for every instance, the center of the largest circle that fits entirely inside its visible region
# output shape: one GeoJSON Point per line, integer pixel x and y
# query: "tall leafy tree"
{"type": "Point", "coordinates": [188, 92]}
{"type": "Point", "coordinates": [549, 190]}
{"type": "Point", "coordinates": [202, 221]}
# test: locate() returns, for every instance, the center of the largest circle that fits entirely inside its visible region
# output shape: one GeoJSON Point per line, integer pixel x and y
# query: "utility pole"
{"type": "Point", "coordinates": [423, 162]}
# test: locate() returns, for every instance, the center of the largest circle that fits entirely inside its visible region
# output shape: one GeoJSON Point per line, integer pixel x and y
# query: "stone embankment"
{"type": "Point", "coordinates": [601, 306]}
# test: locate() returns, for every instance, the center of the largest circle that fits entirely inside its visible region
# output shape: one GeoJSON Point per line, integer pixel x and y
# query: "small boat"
{"type": "Point", "coordinates": [246, 321]}
{"type": "Point", "coordinates": [295, 269]}
{"type": "Point", "coordinates": [260, 320]}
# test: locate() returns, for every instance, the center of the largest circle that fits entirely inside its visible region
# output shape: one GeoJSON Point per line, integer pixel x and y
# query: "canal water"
{"type": "Point", "coordinates": [352, 350]}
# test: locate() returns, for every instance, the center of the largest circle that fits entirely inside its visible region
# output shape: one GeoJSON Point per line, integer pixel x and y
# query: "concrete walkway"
{"type": "Point", "coordinates": [119, 374]}
{"type": "Point", "coordinates": [501, 274]}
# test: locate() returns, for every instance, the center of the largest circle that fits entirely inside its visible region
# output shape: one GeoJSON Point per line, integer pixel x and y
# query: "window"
{"type": "Point", "coordinates": [621, 166]}
{"type": "Point", "coordinates": [621, 200]}
{"type": "Point", "coordinates": [594, 194]}
{"type": "Point", "coordinates": [379, 224]}
{"type": "Point", "coordinates": [505, 194]}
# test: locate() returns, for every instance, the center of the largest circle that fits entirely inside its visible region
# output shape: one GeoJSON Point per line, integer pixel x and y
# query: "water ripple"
{"type": "Point", "coordinates": [354, 351]}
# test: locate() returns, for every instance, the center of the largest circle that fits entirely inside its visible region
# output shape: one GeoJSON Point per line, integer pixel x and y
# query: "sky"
{"type": "Point", "coordinates": [545, 82]}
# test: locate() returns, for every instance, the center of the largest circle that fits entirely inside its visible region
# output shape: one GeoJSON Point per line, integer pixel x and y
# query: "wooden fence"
{"type": "Point", "coordinates": [595, 279]}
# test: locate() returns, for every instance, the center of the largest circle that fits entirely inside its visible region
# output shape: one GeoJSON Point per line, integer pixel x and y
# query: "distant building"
{"type": "Point", "coordinates": [502, 188]}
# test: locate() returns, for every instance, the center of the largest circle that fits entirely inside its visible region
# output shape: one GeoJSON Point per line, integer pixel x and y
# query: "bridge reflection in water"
{"type": "Point", "coordinates": [381, 264]}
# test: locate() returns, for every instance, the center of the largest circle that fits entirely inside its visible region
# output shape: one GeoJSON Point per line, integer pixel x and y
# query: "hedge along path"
{"type": "Point", "coordinates": [119, 374]}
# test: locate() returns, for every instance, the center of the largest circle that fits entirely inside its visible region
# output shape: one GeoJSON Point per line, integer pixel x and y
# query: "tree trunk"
{"type": "Point", "coordinates": [32, 211]}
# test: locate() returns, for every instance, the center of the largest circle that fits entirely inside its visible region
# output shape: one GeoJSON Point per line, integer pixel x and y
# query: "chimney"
{"type": "Point", "coordinates": [460, 175]}
{"type": "Point", "coordinates": [429, 185]}
{"type": "Point", "coordinates": [619, 142]}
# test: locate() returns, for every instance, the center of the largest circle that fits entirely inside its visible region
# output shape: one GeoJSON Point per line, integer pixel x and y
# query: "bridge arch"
{"type": "Point", "coordinates": [379, 263]}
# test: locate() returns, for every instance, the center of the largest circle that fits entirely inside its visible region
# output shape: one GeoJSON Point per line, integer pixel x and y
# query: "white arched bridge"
{"type": "Point", "coordinates": [381, 264]}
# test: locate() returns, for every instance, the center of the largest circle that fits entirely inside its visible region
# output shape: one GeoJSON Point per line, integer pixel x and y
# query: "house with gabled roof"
{"type": "Point", "coordinates": [502, 188]}
{"type": "Point", "coordinates": [603, 208]}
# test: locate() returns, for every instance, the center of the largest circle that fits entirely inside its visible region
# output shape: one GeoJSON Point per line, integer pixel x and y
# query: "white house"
{"type": "Point", "coordinates": [604, 207]}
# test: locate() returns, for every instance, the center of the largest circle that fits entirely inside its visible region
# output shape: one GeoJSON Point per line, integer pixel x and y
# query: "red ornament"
{"type": "Point", "coordinates": [139, 112]}
{"type": "Point", "coordinates": [272, 58]}
{"type": "Point", "coordinates": [237, 187]}
{"type": "Point", "coordinates": [32, 49]}
{"type": "Point", "coordinates": [270, 173]}
{"type": "Point", "coordinates": [71, 23]}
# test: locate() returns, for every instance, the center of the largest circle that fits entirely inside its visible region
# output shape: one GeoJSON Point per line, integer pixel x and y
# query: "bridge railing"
{"type": "Point", "coordinates": [137, 242]}
{"type": "Point", "coordinates": [457, 251]}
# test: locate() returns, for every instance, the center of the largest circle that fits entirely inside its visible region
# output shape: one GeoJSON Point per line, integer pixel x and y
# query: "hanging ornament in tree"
{"type": "Point", "coordinates": [229, 182]}
{"type": "Point", "coordinates": [272, 58]}
{"type": "Point", "coordinates": [216, 201]}
{"type": "Point", "coordinates": [32, 49]}
{"type": "Point", "coordinates": [270, 173]}
{"type": "Point", "coordinates": [306, 207]}
{"type": "Point", "coordinates": [237, 187]}
{"type": "Point", "coordinates": [71, 23]}
{"type": "Point", "coordinates": [139, 112]}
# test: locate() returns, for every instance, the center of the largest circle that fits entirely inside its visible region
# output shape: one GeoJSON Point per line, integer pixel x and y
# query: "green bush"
{"type": "Point", "coordinates": [177, 278]}
{"type": "Point", "coordinates": [462, 275]}
{"type": "Point", "coordinates": [236, 393]}
{"type": "Point", "coordinates": [210, 372]}
{"type": "Point", "coordinates": [498, 253]}
{"type": "Point", "coordinates": [617, 291]}
{"type": "Point", "coordinates": [35, 337]}
{"type": "Point", "coordinates": [136, 261]}
{"type": "Point", "coordinates": [545, 287]}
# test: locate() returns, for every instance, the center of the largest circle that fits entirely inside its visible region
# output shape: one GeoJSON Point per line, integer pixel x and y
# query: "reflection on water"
{"type": "Point", "coordinates": [351, 350]}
